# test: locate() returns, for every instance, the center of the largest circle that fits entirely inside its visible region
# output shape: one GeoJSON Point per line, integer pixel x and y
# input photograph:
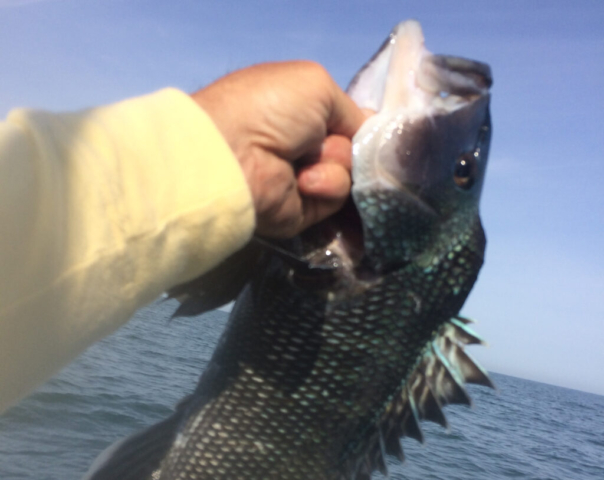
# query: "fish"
{"type": "Point", "coordinates": [344, 338]}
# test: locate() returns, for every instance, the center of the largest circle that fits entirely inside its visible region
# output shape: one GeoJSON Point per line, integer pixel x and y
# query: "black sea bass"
{"type": "Point", "coordinates": [344, 338]}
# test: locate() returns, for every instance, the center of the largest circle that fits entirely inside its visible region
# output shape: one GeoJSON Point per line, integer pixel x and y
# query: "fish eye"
{"type": "Point", "coordinates": [465, 170]}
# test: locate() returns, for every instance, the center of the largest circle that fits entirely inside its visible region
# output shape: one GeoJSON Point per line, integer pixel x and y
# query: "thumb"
{"type": "Point", "coordinates": [325, 188]}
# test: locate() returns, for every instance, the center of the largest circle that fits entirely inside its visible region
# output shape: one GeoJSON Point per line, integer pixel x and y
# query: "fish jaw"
{"type": "Point", "coordinates": [432, 124]}
{"type": "Point", "coordinates": [387, 80]}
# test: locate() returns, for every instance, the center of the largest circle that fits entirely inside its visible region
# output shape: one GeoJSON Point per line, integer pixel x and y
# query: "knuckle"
{"type": "Point", "coordinates": [315, 71]}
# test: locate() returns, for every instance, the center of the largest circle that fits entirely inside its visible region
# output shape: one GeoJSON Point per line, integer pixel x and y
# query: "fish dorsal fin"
{"type": "Point", "coordinates": [137, 457]}
{"type": "Point", "coordinates": [437, 380]}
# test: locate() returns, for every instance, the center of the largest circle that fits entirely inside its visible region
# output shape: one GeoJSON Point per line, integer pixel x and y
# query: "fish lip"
{"type": "Point", "coordinates": [454, 75]}
{"type": "Point", "coordinates": [444, 84]}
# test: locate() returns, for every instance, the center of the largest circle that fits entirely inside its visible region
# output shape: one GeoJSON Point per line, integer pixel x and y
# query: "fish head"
{"type": "Point", "coordinates": [419, 162]}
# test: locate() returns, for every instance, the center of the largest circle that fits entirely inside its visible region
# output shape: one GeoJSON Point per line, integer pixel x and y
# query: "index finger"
{"type": "Point", "coordinates": [345, 117]}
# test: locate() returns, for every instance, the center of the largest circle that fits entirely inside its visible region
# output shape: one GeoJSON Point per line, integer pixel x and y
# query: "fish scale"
{"type": "Point", "coordinates": [343, 339]}
{"type": "Point", "coordinates": [326, 384]}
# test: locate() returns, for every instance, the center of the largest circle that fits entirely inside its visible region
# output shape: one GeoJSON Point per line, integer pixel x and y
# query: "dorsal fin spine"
{"type": "Point", "coordinates": [474, 338]}
{"type": "Point", "coordinates": [437, 380]}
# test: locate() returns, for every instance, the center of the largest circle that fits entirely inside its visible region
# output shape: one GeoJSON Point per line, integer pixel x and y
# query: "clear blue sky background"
{"type": "Point", "coordinates": [540, 297]}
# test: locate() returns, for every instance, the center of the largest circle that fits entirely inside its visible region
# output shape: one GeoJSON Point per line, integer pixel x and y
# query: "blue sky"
{"type": "Point", "coordinates": [540, 296]}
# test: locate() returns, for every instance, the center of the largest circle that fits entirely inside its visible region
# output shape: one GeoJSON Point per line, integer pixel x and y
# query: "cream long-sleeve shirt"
{"type": "Point", "coordinates": [100, 212]}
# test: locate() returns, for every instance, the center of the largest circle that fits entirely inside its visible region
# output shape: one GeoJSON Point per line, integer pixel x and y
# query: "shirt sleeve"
{"type": "Point", "coordinates": [100, 212]}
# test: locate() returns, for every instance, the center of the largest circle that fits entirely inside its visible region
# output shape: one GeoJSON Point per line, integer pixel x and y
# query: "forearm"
{"type": "Point", "coordinates": [100, 212]}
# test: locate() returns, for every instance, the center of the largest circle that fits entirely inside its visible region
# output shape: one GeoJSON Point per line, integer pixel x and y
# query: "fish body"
{"type": "Point", "coordinates": [347, 336]}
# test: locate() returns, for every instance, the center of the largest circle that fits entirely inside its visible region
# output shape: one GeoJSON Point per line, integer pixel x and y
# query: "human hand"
{"type": "Point", "coordinates": [290, 126]}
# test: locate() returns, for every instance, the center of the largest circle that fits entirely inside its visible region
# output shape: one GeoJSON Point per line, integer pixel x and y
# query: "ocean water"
{"type": "Point", "coordinates": [527, 430]}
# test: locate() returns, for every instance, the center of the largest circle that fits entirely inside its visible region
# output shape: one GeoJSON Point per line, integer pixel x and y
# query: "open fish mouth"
{"type": "Point", "coordinates": [403, 74]}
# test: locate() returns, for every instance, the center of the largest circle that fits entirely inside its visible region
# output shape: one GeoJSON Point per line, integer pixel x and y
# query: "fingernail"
{"type": "Point", "coordinates": [312, 177]}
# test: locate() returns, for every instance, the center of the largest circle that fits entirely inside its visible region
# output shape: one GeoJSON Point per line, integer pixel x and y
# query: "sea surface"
{"type": "Point", "coordinates": [527, 430]}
